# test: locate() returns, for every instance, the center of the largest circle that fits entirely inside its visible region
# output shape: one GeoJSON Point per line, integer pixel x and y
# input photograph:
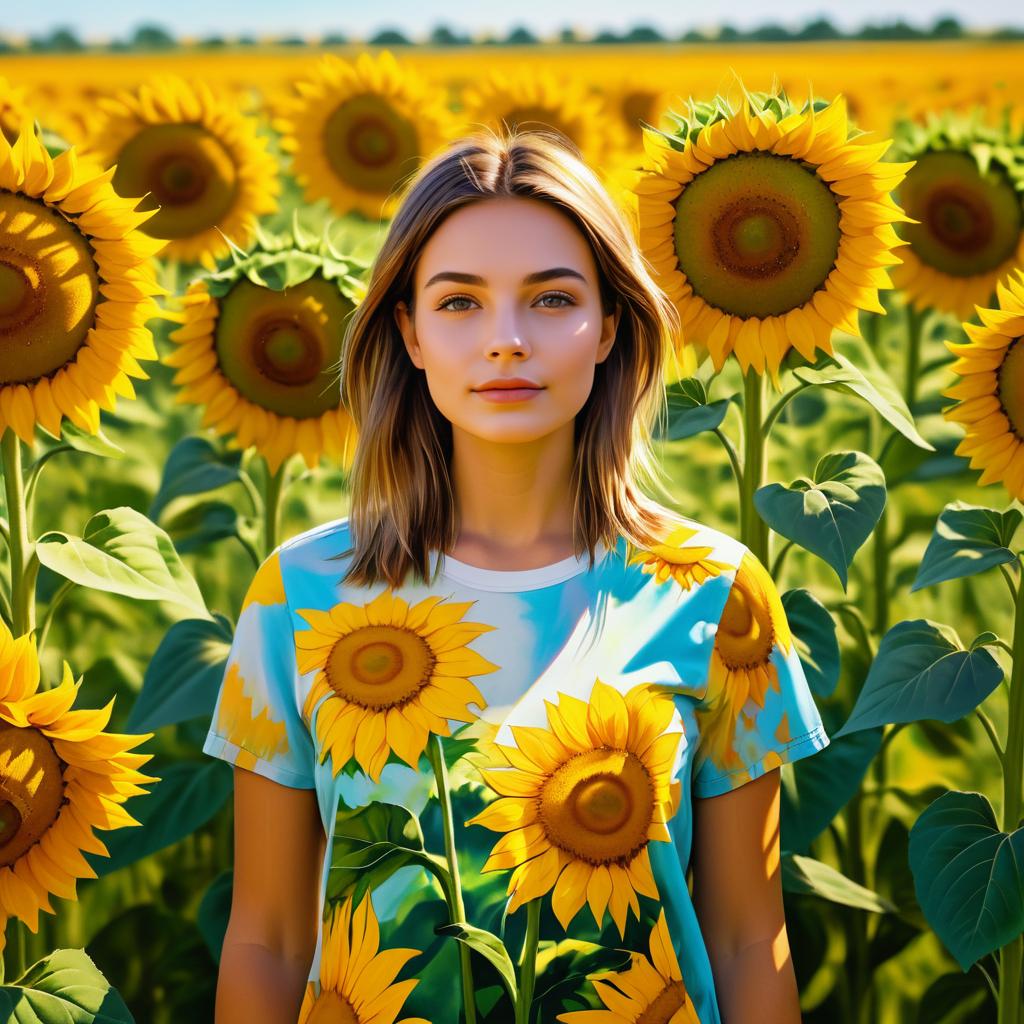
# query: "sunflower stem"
{"type": "Point", "coordinates": [456, 907]}
{"type": "Point", "coordinates": [272, 506]}
{"type": "Point", "coordinates": [1011, 957]}
{"type": "Point", "coordinates": [915, 321]}
{"type": "Point", "coordinates": [22, 601]}
{"type": "Point", "coordinates": [753, 530]}
{"type": "Point", "coordinates": [528, 962]}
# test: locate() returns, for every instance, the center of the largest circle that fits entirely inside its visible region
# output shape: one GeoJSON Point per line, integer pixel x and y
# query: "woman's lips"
{"type": "Point", "coordinates": [508, 394]}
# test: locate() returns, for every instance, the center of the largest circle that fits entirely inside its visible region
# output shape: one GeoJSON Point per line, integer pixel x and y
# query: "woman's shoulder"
{"type": "Point", "coordinates": [681, 535]}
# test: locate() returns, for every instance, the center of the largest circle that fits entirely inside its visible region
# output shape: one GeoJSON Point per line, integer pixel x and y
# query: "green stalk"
{"type": "Point", "coordinates": [456, 907]}
{"type": "Point", "coordinates": [23, 619]}
{"type": "Point", "coordinates": [1011, 957]}
{"type": "Point", "coordinates": [528, 962]}
{"type": "Point", "coordinates": [272, 506]}
{"type": "Point", "coordinates": [753, 530]}
{"type": "Point", "coordinates": [915, 321]}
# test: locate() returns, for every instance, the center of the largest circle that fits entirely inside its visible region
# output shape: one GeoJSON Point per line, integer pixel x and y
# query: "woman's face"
{"type": "Point", "coordinates": [507, 288]}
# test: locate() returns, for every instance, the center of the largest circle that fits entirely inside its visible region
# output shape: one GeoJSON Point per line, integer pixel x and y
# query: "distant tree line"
{"type": "Point", "coordinates": [152, 37]}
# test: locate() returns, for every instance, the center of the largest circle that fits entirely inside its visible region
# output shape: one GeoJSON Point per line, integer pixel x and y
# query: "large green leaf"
{"type": "Point", "coordinates": [854, 369]}
{"type": "Point", "coordinates": [968, 539]}
{"type": "Point", "coordinates": [922, 671]}
{"type": "Point", "coordinates": [819, 787]}
{"type": "Point", "coordinates": [689, 411]}
{"type": "Point", "coordinates": [968, 876]}
{"type": "Point", "coordinates": [214, 911]}
{"type": "Point", "coordinates": [188, 795]}
{"type": "Point", "coordinates": [199, 525]}
{"type": "Point", "coordinates": [832, 514]}
{"type": "Point", "coordinates": [65, 987]}
{"type": "Point", "coordinates": [489, 946]}
{"type": "Point", "coordinates": [122, 552]}
{"type": "Point", "coordinates": [194, 466]}
{"type": "Point", "coordinates": [371, 843]}
{"type": "Point", "coordinates": [814, 631]}
{"type": "Point", "coordinates": [807, 875]}
{"type": "Point", "coordinates": [183, 676]}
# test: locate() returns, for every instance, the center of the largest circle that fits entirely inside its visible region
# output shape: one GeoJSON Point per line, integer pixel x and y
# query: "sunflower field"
{"type": "Point", "coordinates": [182, 240]}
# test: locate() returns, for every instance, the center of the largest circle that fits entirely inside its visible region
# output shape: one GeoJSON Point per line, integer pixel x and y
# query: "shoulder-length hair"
{"type": "Point", "coordinates": [402, 501]}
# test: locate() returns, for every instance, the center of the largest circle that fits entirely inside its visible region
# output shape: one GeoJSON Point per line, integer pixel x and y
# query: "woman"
{"type": "Point", "coordinates": [468, 718]}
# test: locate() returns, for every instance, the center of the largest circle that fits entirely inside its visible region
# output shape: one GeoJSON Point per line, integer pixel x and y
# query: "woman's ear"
{"type": "Point", "coordinates": [609, 330]}
{"type": "Point", "coordinates": [407, 327]}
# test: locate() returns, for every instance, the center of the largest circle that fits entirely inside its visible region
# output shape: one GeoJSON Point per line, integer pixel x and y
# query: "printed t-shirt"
{"type": "Point", "coordinates": [574, 710]}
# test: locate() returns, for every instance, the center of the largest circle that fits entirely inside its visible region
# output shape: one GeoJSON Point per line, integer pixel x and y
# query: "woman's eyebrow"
{"type": "Point", "coordinates": [535, 278]}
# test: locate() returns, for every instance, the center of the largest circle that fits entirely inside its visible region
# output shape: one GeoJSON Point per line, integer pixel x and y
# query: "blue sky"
{"type": "Point", "coordinates": [100, 19]}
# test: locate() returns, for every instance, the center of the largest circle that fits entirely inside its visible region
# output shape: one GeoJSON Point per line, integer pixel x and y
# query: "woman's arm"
{"type": "Point", "coordinates": [737, 894]}
{"type": "Point", "coordinates": [271, 934]}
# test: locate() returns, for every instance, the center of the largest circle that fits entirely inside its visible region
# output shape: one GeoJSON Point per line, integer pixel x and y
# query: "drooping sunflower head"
{"type": "Point", "coordinates": [966, 193]}
{"type": "Point", "coordinates": [76, 289]}
{"type": "Point", "coordinates": [536, 98]}
{"type": "Point", "coordinates": [990, 389]}
{"type": "Point", "coordinates": [200, 163]}
{"type": "Point", "coordinates": [582, 799]}
{"type": "Point", "coordinates": [60, 777]}
{"type": "Point", "coordinates": [768, 225]}
{"type": "Point", "coordinates": [357, 129]}
{"type": "Point", "coordinates": [260, 347]}
{"type": "Point", "coordinates": [356, 984]}
{"type": "Point", "coordinates": [391, 674]}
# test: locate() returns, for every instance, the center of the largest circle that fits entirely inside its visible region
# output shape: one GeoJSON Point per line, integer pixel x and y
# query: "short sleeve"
{"type": "Point", "coordinates": [256, 722]}
{"type": "Point", "coordinates": [758, 711]}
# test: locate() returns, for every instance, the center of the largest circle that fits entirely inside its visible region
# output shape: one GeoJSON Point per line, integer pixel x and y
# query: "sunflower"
{"type": "Point", "coordinates": [259, 343]}
{"type": "Point", "coordinates": [990, 390]}
{"type": "Point", "coordinates": [534, 99]}
{"type": "Point", "coordinates": [358, 129]}
{"type": "Point", "coordinates": [752, 627]}
{"type": "Point", "coordinates": [674, 558]}
{"type": "Point", "coordinates": [193, 155]}
{"type": "Point", "coordinates": [14, 108]}
{"type": "Point", "coordinates": [357, 983]}
{"type": "Point", "coordinates": [392, 674]}
{"type": "Point", "coordinates": [76, 288]}
{"type": "Point", "coordinates": [652, 991]}
{"type": "Point", "coordinates": [582, 799]}
{"type": "Point", "coordinates": [966, 190]}
{"type": "Point", "coordinates": [767, 226]}
{"type": "Point", "coordinates": [60, 777]}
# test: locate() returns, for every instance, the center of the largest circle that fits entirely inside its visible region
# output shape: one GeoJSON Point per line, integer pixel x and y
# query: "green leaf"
{"type": "Point", "coordinates": [122, 552]}
{"type": "Point", "coordinates": [968, 539]}
{"type": "Point", "coordinates": [814, 631]}
{"type": "Point", "coordinates": [807, 875]}
{"type": "Point", "coordinates": [689, 411]}
{"type": "Point", "coordinates": [489, 946]}
{"type": "Point", "coordinates": [831, 515]}
{"type": "Point", "coordinates": [968, 876]}
{"type": "Point", "coordinates": [214, 911]}
{"type": "Point", "coordinates": [854, 369]}
{"type": "Point", "coordinates": [92, 444]}
{"type": "Point", "coordinates": [819, 787]}
{"type": "Point", "coordinates": [183, 676]}
{"type": "Point", "coordinates": [187, 796]}
{"type": "Point", "coordinates": [921, 671]}
{"type": "Point", "coordinates": [65, 987]}
{"type": "Point", "coordinates": [201, 524]}
{"type": "Point", "coordinates": [194, 466]}
{"type": "Point", "coordinates": [371, 843]}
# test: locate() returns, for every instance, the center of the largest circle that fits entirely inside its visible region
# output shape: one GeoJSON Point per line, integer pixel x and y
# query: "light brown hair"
{"type": "Point", "coordinates": [402, 498]}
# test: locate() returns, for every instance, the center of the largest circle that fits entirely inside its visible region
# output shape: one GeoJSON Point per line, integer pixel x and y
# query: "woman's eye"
{"type": "Point", "coordinates": [447, 304]}
{"type": "Point", "coordinates": [559, 296]}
